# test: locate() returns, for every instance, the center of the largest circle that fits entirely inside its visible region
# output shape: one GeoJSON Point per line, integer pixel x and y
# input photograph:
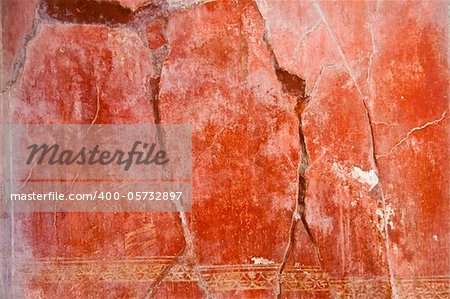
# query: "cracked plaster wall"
{"type": "Point", "coordinates": [320, 146]}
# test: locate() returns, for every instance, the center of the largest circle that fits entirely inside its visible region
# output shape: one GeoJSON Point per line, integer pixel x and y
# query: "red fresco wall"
{"type": "Point", "coordinates": [320, 146]}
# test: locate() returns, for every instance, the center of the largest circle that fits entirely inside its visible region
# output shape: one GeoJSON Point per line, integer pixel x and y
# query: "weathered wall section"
{"type": "Point", "coordinates": [320, 146]}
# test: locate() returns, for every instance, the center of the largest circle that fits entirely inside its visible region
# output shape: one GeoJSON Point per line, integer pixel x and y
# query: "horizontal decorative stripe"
{"type": "Point", "coordinates": [226, 277]}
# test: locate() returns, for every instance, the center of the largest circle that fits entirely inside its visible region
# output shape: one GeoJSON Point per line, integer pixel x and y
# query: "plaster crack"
{"type": "Point", "coordinates": [338, 46]}
{"type": "Point", "coordinates": [313, 91]}
{"type": "Point", "coordinates": [305, 35]}
{"type": "Point", "coordinates": [97, 109]}
{"type": "Point", "coordinates": [166, 271]}
{"type": "Point", "coordinates": [309, 31]}
{"type": "Point", "coordinates": [295, 87]}
{"type": "Point", "coordinates": [374, 47]}
{"type": "Point", "coordinates": [27, 179]}
{"type": "Point", "coordinates": [155, 81]}
{"type": "Point", "coordinates": [412, 131]}
{"type": "Point", "coordinates": [389, 266]}
{"type": "Point", "coordinates": [22, 56]}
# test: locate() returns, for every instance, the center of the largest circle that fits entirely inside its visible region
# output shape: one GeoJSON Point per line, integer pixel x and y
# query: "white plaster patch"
{"type": "Point", "coordinates": [365, 177]}
{"type": "Point", "coordinates": [395, 248]}
{"type": "Point", "coordinates": [435, 237]}
{"type": "Point", "coordinates": [261, 261]}
{"type": "Point", "coordinates": [338, 170]}
{"type": "Point", "coordinates": [391, 224]}
{"type": "Point", "coordinates": [385, 215]}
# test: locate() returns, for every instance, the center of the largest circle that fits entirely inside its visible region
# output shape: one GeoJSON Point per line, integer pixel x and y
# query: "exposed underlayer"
{"type": "Point", "coordinates": [387, 153]}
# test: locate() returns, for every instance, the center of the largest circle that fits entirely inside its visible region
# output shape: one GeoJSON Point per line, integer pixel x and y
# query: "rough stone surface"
{"type": "Point", "coordinates": [320, 146]}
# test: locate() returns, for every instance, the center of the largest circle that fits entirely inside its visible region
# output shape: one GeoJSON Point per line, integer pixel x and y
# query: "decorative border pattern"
{"type": "Point", "coordinates": [227, 277]}
{"type": "Point", "coordinates": [426, 287]}
{"type": "Point", "coordinates": [361, 288]}
{"type": "Point", "coordinates": [420, 287]}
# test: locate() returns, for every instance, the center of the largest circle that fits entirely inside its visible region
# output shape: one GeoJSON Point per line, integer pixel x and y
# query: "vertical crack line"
{"type": "Point", "coordinates": [392, 282]}
{"type": "Point", "coordinates": [313, 91]}
{"type": "Point", "coordinates": [302, 104]}
{"type": "Point", "coordinates": [189, 251]}
{"type": "Point", "coordinates": [97, 109]}
{"type": "Point", "coordinates": [374, 48]}
{"type": "Point", "coordinates": [289, 246]}
{"type": "Point", "coordinates": [20, 60]}
{"type": "Point", "coordinates": [303, 184]}
{"type": "Point", "coordinates": [295, 87]}
{"type": "Point", "coordinates": [181, 5]}
{"type": "Point", "coordinates": [352, 76]}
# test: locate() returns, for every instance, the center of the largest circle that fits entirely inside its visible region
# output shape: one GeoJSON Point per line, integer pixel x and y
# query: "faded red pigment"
{"type": "Point", "coordinates": [320, 145]}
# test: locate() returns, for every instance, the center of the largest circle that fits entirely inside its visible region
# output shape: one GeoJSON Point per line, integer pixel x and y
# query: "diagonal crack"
{"type": "Point", "coordinates": [309, 31]}
{"type": "Point", "coordinates": [339, 48]}
{"type": "Point", "coordinates": [412, 131]}
{"type": "Point", "coordinates": [160, 278]}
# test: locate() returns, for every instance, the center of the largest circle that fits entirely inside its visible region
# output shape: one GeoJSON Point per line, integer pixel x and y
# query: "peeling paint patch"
{"type": "Point", "coordinates": [261, 261]}
{"type": "Point", "coordinates": [365, 177]}
{"type": "Point", "coordinates": [385, 215]}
